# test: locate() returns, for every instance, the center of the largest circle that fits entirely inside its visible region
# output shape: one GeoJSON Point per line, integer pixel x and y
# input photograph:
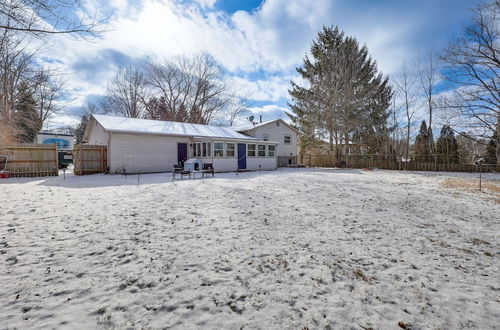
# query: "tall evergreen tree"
{"type": "Point", "coordinates": [491, 149]}
{"type": "Point", "coordinates": [27, 120]}
{"type": "Point", "coordinates": [82, 126]}
{"type": "Point", "coordinates": [447, 146]}
{"type": "Point", "coordinates": [345, 96]}
{"type": "Point", "coordinates": [423, 144]}
{"type": "Point", "coordinates": [80, 129]}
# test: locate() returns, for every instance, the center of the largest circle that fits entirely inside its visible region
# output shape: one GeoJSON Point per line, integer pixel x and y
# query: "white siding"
{"type": "Point", "coordinates": [267, 163]}
{"type": "Point", "coordinates": [97, 134]}
{"type": "Point", "coordinates": [143, 153]}
{"type": "Point", "coordinates": [277, 134]}
{"type": "Point", "coordinates": [224, 164]}
{"type": "Point", "coordinates": [231, 164]}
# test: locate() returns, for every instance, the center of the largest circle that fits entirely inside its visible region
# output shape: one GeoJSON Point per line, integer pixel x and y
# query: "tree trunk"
{"type": "Point", "coordinates": [331, 139]}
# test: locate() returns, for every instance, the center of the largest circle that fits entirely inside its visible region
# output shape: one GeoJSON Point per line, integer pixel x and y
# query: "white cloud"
{"type": "Point", "coordinates": [272, 89]}
{"type": "Point", "coordinates": [269, 112]}
{"type": "Point", "coordinates": [272, 40]}
{"type": "Point", "coordinates": [206, 3]}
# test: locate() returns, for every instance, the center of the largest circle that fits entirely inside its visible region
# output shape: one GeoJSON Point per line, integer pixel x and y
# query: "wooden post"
{"type": "Point", "coordinates": [480, 175]}
{"type": "Point", "coordinates": [56, 169]}
{"type": "Point", "coordinates": [79, 159]}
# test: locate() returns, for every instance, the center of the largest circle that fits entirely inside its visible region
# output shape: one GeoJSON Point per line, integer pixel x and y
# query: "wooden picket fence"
{"type": "Point", "coordinates": [90, 159]}
{"type": "Point", "coordinates": [390, 162]}
{"type": "Point", "coordinates": [31, 160]}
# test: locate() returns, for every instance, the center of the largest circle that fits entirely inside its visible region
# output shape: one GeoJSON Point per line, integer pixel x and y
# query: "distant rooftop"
{"type": "Point", "coordinates": [147, 126]}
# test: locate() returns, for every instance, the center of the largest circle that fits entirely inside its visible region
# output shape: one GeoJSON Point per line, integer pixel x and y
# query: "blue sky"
{"type": "Point", "coordinates": [259, 43]}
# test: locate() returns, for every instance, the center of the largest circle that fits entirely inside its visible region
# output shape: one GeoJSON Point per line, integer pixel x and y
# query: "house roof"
{"type": "Point", "coordinates": [250, 126]}
{"type": "Point", "coordinates": [147, 126]}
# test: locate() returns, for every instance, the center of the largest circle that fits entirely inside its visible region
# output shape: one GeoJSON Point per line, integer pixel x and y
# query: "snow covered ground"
{"type": "Point", "coordinates": [292, 249]}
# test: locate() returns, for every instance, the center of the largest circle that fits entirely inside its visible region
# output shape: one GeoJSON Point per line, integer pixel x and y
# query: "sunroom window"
{"type": "Point", "coordinates": [218, 149]}
{"type": "Point", "coordinates": [230, 147]}
{"type": "Point", "coordinates": [251, 150]}
{"type": "Point", "coordinates": [262, 150]}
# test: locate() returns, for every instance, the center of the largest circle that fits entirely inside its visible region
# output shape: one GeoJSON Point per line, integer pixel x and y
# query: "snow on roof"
{"type": "Point", "coordinates": [147, 126]}
{"type": "Point", "coordinates": [249, 126]}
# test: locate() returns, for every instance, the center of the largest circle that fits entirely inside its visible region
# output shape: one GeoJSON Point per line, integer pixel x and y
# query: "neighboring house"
{"type": "Point", "coordinates": [142, 146]}
{"type": "Point", "coordinates": [275, 130]}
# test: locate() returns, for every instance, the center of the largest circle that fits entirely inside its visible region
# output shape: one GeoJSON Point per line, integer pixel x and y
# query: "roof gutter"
{"type": "Point", "coordinates": [176, 135]}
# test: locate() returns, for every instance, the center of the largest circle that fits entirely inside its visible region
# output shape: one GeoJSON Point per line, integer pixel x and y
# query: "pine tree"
{"type": "Point", "coordinates": [491, 149]}
{"type": "Point", "coordinates": [447, 146]}
{"type": "Point", "coordinates": [27, 120]}
{"type": "Point", "coordinates": [87, 111]}
{"type": "Point", "coordinates": [345, 96]}
{"type": "Point", "coordinates": [80, 130]}
{"type": "Point", "coordinates": [422, 142]}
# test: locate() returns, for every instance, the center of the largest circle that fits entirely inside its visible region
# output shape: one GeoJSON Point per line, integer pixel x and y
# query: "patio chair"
{"type": "Point", "coordinates": [208, 168]}
{"type": "Point", "coordinates": [179, 169]}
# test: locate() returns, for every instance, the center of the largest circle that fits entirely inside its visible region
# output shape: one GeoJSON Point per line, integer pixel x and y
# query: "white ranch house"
{"type": "Point", "coordinates": [147, 146]}
{"type": "Point", "coordinates": [275, 130]}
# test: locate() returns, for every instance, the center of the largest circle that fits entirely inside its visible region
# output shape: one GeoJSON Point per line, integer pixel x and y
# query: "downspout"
{"type": "Point", "coordinates": [109, 151]}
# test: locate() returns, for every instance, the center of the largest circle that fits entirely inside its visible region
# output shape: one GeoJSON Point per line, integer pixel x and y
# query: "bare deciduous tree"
{"type": "Point", "coordinates": [473, 66]}
{"type": "Point", "coordinates": [125, 94]}
{"type": "Point", "coordinates": [427, 69]}
{"type": "Point", "coordinates": [48, 91]}
{"type": "Point", "coordinates": [236, 108]}
{"type": "Point", "coordinates": [398, 136]}
{"type": "Point", "coordinates": [190, 89]}
{"type": "Point", "coordinates": [406, 87]}
{"type": "Point", "coordinates": [43, 17]}
{"type": "Point", "coordinates": [15, 69]}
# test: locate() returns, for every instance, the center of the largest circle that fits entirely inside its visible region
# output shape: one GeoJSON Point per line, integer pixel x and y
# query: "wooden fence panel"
{"type": "Point", "coordinates": [390, 162]}
{"type": "Point", "coordinates": [90, 159]}
{"type": "Point", "coordinates": [31, 160]}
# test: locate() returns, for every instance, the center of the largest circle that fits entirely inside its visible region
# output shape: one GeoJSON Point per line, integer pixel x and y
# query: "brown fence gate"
{"type": "Point", "coordinates": [31, 160]}
{"type": "Point", "coordinates": [90, 159]}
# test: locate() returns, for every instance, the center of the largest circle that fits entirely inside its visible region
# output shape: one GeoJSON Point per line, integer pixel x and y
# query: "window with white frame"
{"type": "Point", "coordinates": [271, 150]}
{"type": "Point", "coordinates": [218, 149]}
{"type": "Point", "coordinates": [261, 150]}
{"type": "Point", "coordinates": [194, 149]}
{"type": "Point", "coordinates": [287, 139]}
{"type": "Point", "coordinates": [230, 147]}
{"type": "Point", "coordinates": [204, 149]}
{"type": "Point", "coordinates": [251, 150]}
{"type": "Point", "coordinates": [265, 137]}
{"type": "Point", "coordinates": [209, 149]}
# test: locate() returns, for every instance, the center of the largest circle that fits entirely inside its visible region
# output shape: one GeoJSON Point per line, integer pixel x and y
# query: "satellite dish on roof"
{"type": "Point", "coordinates": [251, 118]}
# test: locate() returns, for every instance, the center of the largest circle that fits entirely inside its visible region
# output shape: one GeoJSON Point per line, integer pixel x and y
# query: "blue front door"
{"type": "Point", "coordinates": [242, 156]}
{"type": "Point", "coordinates": [182, 152]}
